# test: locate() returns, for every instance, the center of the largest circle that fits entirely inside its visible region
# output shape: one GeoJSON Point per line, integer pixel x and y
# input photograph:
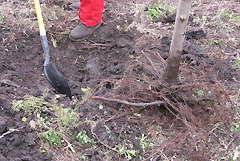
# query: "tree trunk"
{"type": "Point", "coordinates": [173, 62]}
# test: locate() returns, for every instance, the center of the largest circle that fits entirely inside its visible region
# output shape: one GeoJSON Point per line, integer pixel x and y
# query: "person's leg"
{"type": "Point", "coordinates": [90, 14]}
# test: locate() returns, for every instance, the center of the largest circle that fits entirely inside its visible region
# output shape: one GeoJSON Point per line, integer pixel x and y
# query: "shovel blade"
{"type": "Point", "coordinates": [56, 79]}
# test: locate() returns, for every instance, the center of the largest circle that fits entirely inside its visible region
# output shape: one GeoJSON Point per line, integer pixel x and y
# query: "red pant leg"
{"type": "Point", "coordinates": [90, 12]}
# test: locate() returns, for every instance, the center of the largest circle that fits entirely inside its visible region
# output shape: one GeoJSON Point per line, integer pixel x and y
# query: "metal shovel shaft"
{"type": "Point", "coordinates": [51, 73]}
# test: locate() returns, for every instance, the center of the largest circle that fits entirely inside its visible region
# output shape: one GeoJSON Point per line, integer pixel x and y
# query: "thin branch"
{"type": "Point", "coordinates": [10, 131]}
{"type": "Point", "coordinates": [99, 44]}
{"type": "Point", "coordinates": [152, 64]}
{"type": "Point", "coordinates": [160, 58]}
{"type": "Point", "coordinates": [129, 103]}
{"type": "Point", "coordinates": [119, 154]}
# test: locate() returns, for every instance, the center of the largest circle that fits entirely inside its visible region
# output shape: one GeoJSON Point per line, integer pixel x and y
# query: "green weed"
{"type": "Point", "coordinates": [66, 116]}
{"type": "Point", "coordinates": [131, 56]}
{"type": "Point", "coordinates": [100, 106]}
{"type": "Point", "coordinates": [87, 92]}
{"type": "Point", "coordinates": [202, 21]}
{"type": "Point", "coordinates": [214, 42]}
{"type": "Point", "coordinates": [145, 143]}
{"type": "Point", "coordinates": [109, 132]}
{"type": "Point", "coordinates": [137, 114]}
{"type": "Point", "coordinates": [129, 154]}
{"type": "Point", "coordinates": [82, 138]}
{"type": "Point", "coordinates": [236, 127]}
{"type": "Point", "coordinates": [49, 137]}
{"type": "Point", "coordinates": [31, 104]}
{"type": "Point", "coordinates": [157, 9]}
{"type": "Point", "coordinates": [85, 157]}
{"type": "Point", "coordinates": [236, 64]}
{"type": "Point", "coordinates": [52, 118]}
{"type": "Point", "coordinates": [1, 17]}
{"type": "Point", "coordinates": [54, 42]}
{"type": "Point", "coordinates": [226, 15]}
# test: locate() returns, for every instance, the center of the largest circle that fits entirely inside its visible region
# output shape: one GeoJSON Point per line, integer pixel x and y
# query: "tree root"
{"type": "Point", "coordinates": [129, 103]}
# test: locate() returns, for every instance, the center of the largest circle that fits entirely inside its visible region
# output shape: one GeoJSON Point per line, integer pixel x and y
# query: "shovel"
{"type": "Point", "coordinates": [51, 73]}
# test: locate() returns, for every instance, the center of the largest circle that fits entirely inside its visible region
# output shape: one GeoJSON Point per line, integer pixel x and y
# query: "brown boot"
{"type": "Point", "coordinates": [75, 5]}
{"type": "Point", "coordinates": [82, 32]}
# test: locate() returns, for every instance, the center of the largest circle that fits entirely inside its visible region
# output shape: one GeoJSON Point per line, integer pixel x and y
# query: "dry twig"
{"type": "Point", "coordinates": [107, 146]}
{"type": "Point", "coordinates": [129, 103]}
{"type": "Point", "coordinates": [9, 132]}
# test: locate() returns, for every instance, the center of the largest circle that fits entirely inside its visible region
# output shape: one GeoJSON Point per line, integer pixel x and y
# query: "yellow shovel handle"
{"type": "Point", "coordinates": [39, 17]}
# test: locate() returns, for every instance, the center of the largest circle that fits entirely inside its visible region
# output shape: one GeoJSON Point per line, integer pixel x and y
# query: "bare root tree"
{"type": "Point", "coordinates": [176, 48]}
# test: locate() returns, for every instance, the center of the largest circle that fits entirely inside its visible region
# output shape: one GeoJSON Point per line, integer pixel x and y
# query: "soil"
{"type": "Point", "coordinates": [104, 56]}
